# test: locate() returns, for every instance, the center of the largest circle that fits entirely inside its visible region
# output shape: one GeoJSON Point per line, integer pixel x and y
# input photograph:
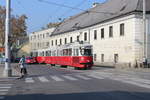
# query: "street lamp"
{"type": "Point", "coordinates": [7, 70]}
{"type": "Point", "coordinates": [144, 34]}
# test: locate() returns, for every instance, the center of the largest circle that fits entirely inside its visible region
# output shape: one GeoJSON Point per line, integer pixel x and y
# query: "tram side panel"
{"type": "Point", "coordinates": [41, 59]}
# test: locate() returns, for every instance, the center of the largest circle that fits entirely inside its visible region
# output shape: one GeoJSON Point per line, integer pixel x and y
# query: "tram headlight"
{"type": "Point", "coordinates": [82, 58]}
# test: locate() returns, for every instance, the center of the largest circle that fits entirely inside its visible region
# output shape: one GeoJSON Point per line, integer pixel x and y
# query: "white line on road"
{"type": "Point", "coordinates": [82, 77]}
{"type": "Point", "coordinates": [5, 84]}
{"type": "Point", "coordinates": [29, 80]}
{"type": "Point", "coordinates": [5, 87]}
{"type": "Point", "coordinates": [3, 93]}
{"type": "Point", "coordinates": [4, 90]}
{"type": "Point", "coordinates": [135, 83]}
{"type": "Point", "coordinates": [70, 78]}
{"type": "Point", "coordinates": [43, 79]}
{"type": "Point", "coordinates": [95, 76]}
{"type": "Point", "coordinates": [145, 81]}
{"type": "Point", "coordinates": [56, 78]}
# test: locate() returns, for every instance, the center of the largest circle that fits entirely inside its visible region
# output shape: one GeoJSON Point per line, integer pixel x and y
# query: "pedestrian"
{"type": "Point", "coordinates": [22, 65]}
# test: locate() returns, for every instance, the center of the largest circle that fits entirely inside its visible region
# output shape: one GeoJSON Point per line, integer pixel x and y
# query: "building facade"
{"type": "Point", "coordinates": [116, 32]}
{"type": "Point", "coordinates": [40, 40]}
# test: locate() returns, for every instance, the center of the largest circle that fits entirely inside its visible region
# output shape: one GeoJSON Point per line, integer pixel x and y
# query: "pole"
{"type": "Point", "coordinates": [144, 32]}
{"type": "Point", "coordinates": [7, 70]}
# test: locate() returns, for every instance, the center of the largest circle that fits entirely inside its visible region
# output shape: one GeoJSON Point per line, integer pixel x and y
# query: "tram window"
{"type": "Point", "coordinates": [55, 53]}
{"type": "Point", "coordinates": [77, 52]}
{"type": "Point", "coordinates": [31, 54]}
{"type": "Point", "coordinates": [43, 53]}
{"type": "Point", "coordinates": [86, 52]}
{"type": "Point", "coordinates": [69, 52]}
{"type": "Point", "coordinates": [65, 52]}
{"type": "Point", "coordinates": [49, 53]}
{"type": "Point", "coordinates": [36, 54]}
{"type": "Point", "coordinates": [46, 53]}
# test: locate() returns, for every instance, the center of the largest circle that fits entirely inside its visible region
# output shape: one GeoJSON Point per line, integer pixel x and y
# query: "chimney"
{"type": "Point", "coordinates": [95, 4]}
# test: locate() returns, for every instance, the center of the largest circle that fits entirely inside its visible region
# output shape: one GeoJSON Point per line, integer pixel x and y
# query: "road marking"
{"type": "Point", "coordinates": [6, 84]}
{"type": "Point", "coordinates": [56, 78]}
{"type": "Point", "coordinates": [2, 93]}
{"type": "Point", "coordinates": [4, 90]}
{"type": "Point", "coordinates": [145, 81]}
{"type": "Point", "coordinates": [135, 83]}
{"type": "Point", "coordinates": [5, 87]}
{"type": "Point", "coordinates": [29, 80]}
{"type": "Point", "coordinates": [2, 97]}
{"type": "Point", "coordinates": [43, 79]}
{"type": "Point", "coordinates": [95, 76]}
{"type": "Point", "coordinates": [82, 77]}
{"type": "Point", "coordinates": [70, 78]}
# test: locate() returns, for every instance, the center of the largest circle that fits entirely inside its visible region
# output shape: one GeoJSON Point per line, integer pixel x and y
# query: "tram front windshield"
{"type": "Point", "coordinates": [86, 52]}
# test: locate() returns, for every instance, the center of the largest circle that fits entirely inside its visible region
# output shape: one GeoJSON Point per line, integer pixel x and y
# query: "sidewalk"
{"type": "Point", "coordinates": [15, 73]}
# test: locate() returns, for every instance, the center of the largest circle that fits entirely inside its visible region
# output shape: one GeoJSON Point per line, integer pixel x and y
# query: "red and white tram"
{"type": "Point", "coordinates": [77, 55]}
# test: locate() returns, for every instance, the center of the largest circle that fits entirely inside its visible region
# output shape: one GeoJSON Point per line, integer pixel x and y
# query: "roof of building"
{"type": "Point", "coordinates": [100, 13]}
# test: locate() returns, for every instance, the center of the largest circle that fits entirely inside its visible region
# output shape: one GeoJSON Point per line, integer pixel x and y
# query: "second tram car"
{"type": "Point", "coordinates": [77, 55]}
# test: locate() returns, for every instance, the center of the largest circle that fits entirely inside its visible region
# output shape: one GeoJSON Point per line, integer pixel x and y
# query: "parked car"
{"type": "Point", "coordinates": [17, 59]}
{"type": "Point", "coordinates": [30, 60]}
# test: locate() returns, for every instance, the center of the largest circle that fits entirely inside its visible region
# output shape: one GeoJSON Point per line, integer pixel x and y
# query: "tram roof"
{"type": "Point", "coordinates": [75, 44]}
{"type": "Point", "coordinates": [101, 13]}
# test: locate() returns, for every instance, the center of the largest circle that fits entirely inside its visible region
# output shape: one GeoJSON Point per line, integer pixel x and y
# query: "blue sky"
{"type": "Point", "coordinates": [41, 13]}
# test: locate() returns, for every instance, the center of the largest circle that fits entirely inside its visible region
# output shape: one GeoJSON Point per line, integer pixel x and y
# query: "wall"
{"type": "Point", "coordinates": [128, 47]}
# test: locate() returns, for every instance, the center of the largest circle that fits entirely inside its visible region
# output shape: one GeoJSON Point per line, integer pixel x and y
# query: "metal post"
{"type": "Point", "coordinates": [7, 70]}
{"type": "Point", "coordinates": [144, 32]}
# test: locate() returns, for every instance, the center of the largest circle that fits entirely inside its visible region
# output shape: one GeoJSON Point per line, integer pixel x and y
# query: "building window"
{"type": "Point", "coordinates": [95, 34]}
{"type": "Point", "coordinates": [47, 44]}
{"type": "Point", "coordinates": [31, 38]}
{"type": "Point", "coordinates": [47, 34]}
{"type": "Point", "coordinates": [95, 57]}
{"type": "Point", "coordinates": [40, 36]}
{"type": "Point", "coordinates": [60, 42]}
{"type": "Point", "coordinates": [116, 58]}
{"type": "Point", "coordinates": [52, 42]}
{"type": "Point", "coordinates": [77, 38]}
{"type": "Point", "coordinates": [56, 42]}
{"type": "Point", "coordinates": [43, 36]}
{"type": "Point", "coordinates": [85, 36]}
{"type": "Point", "coordinates": [70, 39]}
{"type": "Point", "coordinates": [38, 45]}
{"type": "Point", "coordinates": [122, 29]}
{"type": "Point", "coordinates": [102, 57]}
{"type": "Point", "coordinates": [35, 37]}
{"type": "Point", "coordinates": [110, 31]}
{"type": "Point", "coordinates": [65, 40]}
{"type": "Point", "coordinates": [102, 33]}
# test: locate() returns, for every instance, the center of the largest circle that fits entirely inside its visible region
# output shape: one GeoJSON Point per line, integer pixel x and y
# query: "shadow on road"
{"type": "Point", "coordinates": [111, 95]}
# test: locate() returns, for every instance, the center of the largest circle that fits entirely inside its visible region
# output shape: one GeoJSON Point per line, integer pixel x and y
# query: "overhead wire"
{"type": "Point", "coordinates": [79, 4]}
{"type": "Point", "coordinates": [76, 8]}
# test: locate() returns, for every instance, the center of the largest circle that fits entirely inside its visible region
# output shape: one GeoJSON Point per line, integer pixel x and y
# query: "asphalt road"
{"type": "Point", "coordinates": [54, 83]}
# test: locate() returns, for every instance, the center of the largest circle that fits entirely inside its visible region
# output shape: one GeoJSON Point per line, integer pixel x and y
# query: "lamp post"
{"type": "Point", "coordinates": [144, 34]}
{"type": "Point", "coordinates": [7, 70]}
